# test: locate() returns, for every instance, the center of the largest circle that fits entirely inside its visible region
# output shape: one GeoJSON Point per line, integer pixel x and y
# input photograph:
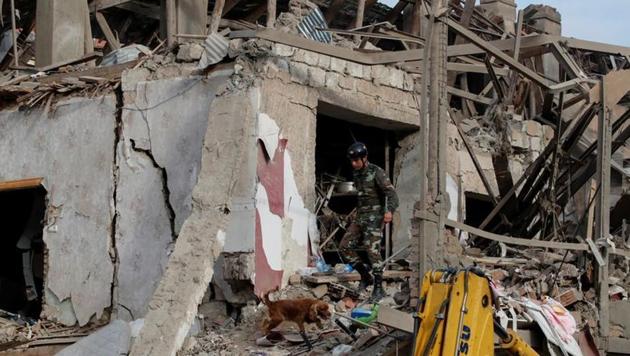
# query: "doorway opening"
{"type": "Point", "coordinates": [478, 207]}
{"type": "Point", "coordinates": [336, 195]}
{"type": "Point", "coordinates": [22, 249]}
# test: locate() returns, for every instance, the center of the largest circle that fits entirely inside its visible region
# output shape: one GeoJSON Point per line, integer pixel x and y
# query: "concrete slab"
{"type": "Point", "coordinates": [111, 340]}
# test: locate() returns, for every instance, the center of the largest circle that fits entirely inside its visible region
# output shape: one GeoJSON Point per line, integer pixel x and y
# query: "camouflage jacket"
{"type": "Point", "coordinates": [373, 186]}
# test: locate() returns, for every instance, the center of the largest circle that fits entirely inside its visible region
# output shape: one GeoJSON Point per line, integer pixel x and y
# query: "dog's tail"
{"type": "Point", "coordinates": [265, 297]}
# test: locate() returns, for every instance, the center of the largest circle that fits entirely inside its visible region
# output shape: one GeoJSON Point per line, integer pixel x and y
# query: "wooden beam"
{"type": "Point", "coordinates": [532, 170]}
{"type": "Point", "coordinates": [416, 18]}
{"type": "Point", "coordinates": [13, 34]}
{"type": "Point", "coordinates": [469, 8]}
{"type": "Point", "coordinates": [470, 96]}
{"type": "Point", "coordinates": [604, 154]}
{"type": "Point", "coordinates": [28, 183]}
{"type": "Point", "coordinates": [515, 240]}
{"type": "Point", "coordinates": [473, 156]}
{"type": "Point", "coordinates": [217, 12]}
{"type": "Point", "coordinates": [523, 70]}
{"type": "Point", "coordinates": [358, 20]}
{"type": "Point", "coordinates": [171, 22]}
{"type": "Point", "coordinates": [229, 5]}
{"type": "Point", "coordinates": [368, 58]}
{"type": "Point", "coordinates": [566, 61]}
{"type": "Point", "coordinates": [271, 13]}
{"type": "Point", "coordinates": [333, 9]}
{"type": "Point", "coordinates": [112, 41]}
{"type": "Point", "coordinates": [98, 5]}
{"type": "Point", "coordinates": [393, 14]}
{"type": "Point", "coordinates": [498, 88]}
{"type": "Point", "coordinates": [519, 35]}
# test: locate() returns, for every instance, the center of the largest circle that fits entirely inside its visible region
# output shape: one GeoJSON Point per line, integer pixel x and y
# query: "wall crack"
{"type": "Point", "coordinates": [165, 190]}
{"type": "Point", "coordinates": [113, 251]}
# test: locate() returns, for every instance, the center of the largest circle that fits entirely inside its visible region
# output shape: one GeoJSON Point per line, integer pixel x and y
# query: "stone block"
{"type": "Point", "coordinates": [548, 132]}
{"type": "Point", "coordinates": [485, 161]}
{"type": "Point", "coordinates": [132, 77]}
{"type": "Point", "coordinates": [535, 143]}
{"type": "Point", "coordinates": [235, 47]}
{"type": "Point", "coordinates": [346, 82]}
{"type": "Point", "coordinates": [519, 140]}
{"type": "Point", "coordinates": [284, 76]}
{"type": "Point", "coordinates": [299, 56]}
{"type": "Point", "coordinates": [367, 73]}
{"type": "Point", "coordinates": [282, 50]}
{"type": "Point", "coordinates": [299, 72]}
{"type": "Point", "coordinates": [311, 58]}
{"type": "Point", "coordinates": [397, 78]}
{"type": "Point", "coordinates": [338, 65]}
{"type": "Point", "coordinates": [386, 94]}
{"type": "Point", "coordinates": [324, 61]}
{"type": "Point", "coordinates": [365, 87]}
{"type": "Point", "coordinates": [408, 82]}
{"type": "Point", "coordinates": [516, 169]}
{"type": "Point", "coordinates": [189, 52]}
{"type": "Point", "coordinates": [317, 77]}
{"type": "Point", "coordinates": [380, 75]}
{"type": "Point", "coordinates": [354, 69]}
{"type": "Point", "coordinates": [532, 128]}
{"type": "Point", "coordinates": [332, 80]}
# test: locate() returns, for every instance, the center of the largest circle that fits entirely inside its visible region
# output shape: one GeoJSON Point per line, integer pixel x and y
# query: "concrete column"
{"type": "Point", "coordinates": [505, 9]}
{"type": "Point", "coordinates": [62, 30]}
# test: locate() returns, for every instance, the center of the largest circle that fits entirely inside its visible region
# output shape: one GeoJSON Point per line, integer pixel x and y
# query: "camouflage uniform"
{"type": "Point", "coordinates": [364, 234]}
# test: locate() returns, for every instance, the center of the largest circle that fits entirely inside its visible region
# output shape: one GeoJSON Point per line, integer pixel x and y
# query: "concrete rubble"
{"type": "Point", "coordinates": [189, 159]}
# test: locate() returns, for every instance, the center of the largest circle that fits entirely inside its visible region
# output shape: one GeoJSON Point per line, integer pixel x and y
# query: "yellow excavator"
{"type": "Point", "coordinates": [456, 317]}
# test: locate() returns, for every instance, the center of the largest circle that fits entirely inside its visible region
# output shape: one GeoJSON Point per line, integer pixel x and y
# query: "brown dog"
{"type": "Point", "coordinates": [299, 311]}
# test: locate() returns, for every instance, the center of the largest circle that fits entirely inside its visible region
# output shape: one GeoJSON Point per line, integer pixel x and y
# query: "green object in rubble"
{"type": "Point", "coordinates": [372, 317]}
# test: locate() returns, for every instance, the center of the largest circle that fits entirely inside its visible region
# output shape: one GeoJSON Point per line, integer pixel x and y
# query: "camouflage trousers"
{"type": "Point", "coordinates": [364, 234]}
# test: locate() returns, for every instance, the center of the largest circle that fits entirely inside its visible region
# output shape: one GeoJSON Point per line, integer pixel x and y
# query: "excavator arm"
{"type": "Point", "coordinates": [456, 317]}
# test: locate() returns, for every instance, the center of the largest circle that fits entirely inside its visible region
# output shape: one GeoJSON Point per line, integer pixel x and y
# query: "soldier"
{"type": "Point", "coordinates": [373, 186]}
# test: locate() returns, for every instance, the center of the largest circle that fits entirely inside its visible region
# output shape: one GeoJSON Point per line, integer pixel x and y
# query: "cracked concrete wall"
{"type": "Point", "coordinates": [72, 148]}
{"type": "Point", "coordinates": [190, 267]}
{"type": "Point", "coordinates": [159, 156]}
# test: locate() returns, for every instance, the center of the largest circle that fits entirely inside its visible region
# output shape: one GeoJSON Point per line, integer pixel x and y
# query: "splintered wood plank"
{"type": "Point", "coordinates": [112, 41]}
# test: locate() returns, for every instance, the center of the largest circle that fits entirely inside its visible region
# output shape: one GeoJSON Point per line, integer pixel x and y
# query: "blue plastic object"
{"type": "Point", "coordinates": [360, 313]}
{"type": "Point", "coordinates": [348, 268]}
{"type": "Point", "coordinates": [321, 265]}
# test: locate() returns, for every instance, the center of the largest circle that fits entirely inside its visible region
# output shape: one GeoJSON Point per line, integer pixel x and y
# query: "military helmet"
{"type": "Point", "coordinates": [357, 150]}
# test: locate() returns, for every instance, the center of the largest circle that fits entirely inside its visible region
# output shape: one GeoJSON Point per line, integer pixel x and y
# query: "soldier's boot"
{"type": "Point", "coordinates": [378, 292]}
{"type": "Point", "coordinates": [366, 279]}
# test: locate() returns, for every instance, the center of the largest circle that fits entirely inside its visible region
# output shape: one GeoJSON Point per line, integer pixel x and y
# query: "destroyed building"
{"type": "Point", "coordinates": [156, 152]}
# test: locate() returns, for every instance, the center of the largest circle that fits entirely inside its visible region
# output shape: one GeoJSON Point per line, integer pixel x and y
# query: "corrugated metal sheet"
{"type": "Point", "coordinates": [124, 55]}
{"type": "Point", "coordinates": [215, 49]}
{"type": "Point", "coordinates": [309, 25]}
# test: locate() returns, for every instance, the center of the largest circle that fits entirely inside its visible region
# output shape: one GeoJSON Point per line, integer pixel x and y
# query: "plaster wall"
{"type": "Point", "coordinates": [72, 148]}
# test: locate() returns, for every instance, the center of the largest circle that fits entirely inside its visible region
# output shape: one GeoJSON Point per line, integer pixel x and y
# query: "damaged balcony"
{"type": "Point", "coordinates": [190, 158]}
